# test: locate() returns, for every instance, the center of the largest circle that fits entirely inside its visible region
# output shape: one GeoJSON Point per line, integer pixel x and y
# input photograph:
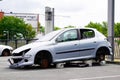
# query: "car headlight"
{"type": "Point", "coordinates": [22, 53]}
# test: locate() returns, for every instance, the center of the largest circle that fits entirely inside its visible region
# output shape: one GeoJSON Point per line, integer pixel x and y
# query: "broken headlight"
{"type": "Point", "coordinates": [22, 53]}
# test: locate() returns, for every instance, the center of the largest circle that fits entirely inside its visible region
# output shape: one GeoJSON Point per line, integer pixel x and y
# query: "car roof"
{"type": "Point", "coordinates": [79, 28]}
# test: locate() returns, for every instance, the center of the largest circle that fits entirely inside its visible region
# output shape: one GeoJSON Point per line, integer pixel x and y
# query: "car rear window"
{"type": "Point", "coordinates": [87, 33]}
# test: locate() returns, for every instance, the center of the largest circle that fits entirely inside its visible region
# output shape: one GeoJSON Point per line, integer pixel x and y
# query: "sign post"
{"type": "Point", "coordinates": [49, 19]}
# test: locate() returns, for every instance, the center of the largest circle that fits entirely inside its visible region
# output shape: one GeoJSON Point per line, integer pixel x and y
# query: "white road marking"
{"type": "Point", "coordinates": [93, 78]}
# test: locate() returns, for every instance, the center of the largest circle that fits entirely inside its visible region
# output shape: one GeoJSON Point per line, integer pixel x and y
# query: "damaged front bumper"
{"type": "Point", "coordinates": [19, 62]}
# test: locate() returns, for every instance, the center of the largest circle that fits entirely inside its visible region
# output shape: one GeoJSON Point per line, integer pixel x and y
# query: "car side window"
{"type": "Point", "coordinates": [87, 33]}
{"type": "Point", "coordinates": [70, 35]}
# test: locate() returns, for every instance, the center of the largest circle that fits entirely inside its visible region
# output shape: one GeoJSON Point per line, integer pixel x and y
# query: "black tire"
{"type": "Point", "coordinates": [6, 53]}
{"type": "Point", "coordinates": [100, 59]}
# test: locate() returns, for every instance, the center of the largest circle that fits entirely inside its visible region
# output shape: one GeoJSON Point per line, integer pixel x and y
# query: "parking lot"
{"type": "Point", "coordinates": [107, 72]}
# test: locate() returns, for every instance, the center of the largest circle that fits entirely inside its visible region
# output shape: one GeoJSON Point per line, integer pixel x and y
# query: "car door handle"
{"type": "Point", "coordinates": [94, 42]}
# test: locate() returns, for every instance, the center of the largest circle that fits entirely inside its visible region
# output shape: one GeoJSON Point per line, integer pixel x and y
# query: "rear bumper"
{"type": "Point", "coordinates": [19, 62]}
{"type": "Point", "coordinates": [110, 48]}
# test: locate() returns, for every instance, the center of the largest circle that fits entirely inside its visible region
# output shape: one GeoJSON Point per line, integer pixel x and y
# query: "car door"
{"type": "Point", "coordinates": [88, 43]}
{"type": "Point", "coordinates": [67, 45]}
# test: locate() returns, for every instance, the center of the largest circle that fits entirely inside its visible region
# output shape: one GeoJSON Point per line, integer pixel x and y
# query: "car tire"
{"type": "Point", "coordinates": [101, 59]}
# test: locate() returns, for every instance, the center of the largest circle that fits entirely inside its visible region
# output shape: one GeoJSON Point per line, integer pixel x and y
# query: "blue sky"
{"type": "Point", "coordinates": [68, 12]}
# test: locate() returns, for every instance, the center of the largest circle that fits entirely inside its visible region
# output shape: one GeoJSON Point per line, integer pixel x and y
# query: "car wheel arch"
{"type": "Point", "coordinates": [104, 50]}
{"type": "Point", "coordinates": [101, 52]}
{"type": "Point", "coordinates": [44, 53]}
{"type": "Point", "coordinates": [7, 50]}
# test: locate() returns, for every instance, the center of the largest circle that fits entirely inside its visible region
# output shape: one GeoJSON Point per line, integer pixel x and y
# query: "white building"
{"type": "Point", "coordinates": [30, 18]}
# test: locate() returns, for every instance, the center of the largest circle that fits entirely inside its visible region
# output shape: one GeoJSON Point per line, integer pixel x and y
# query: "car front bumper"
{"type": "Point", "coordinates": [19, 62]}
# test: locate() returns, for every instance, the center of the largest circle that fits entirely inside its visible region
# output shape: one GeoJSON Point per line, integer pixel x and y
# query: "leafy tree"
{"type": "Point", "coordinates": [30, 32]}
{"type": "Point", "coordinates": [56, 28]}
{"type": "Point", "coordinates": [42, 29]}
{"type": "Point", "coordinates": [104, 28]}
{"type": "Point", "coordinates": [15, 27]}
{"type": "Point", "coordinates": [70, 26]}
{"type": "Point", "coordinates": [100, 27]}
{"type": "Point", "coordinates": [117, 30]}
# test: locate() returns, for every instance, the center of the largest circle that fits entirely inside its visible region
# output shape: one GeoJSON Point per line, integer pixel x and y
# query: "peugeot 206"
{"type": "Point", "coordinates": [62, 46]}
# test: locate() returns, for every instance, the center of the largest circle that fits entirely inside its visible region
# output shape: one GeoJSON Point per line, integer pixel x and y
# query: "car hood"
{"type": "Point", "coordinates": [31, 45]}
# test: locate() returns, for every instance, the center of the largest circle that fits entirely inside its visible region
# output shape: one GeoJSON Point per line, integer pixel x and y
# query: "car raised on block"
{"type": "Point", "coordinates": [62, 46]}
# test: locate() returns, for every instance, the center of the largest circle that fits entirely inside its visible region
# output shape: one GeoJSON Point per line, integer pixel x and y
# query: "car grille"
{"type": "Point", "coordinates": [16, 60]}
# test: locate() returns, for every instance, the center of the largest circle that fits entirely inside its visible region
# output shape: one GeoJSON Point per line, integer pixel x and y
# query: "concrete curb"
{"type": "Point", "coordinates": [113, 62]}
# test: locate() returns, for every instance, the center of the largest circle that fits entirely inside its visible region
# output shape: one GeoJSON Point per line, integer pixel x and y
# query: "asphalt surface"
{"type": "Point", "coordinates": [96, 72]}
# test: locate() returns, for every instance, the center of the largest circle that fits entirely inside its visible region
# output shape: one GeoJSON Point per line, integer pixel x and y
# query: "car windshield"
{"type": "Point", "coordinates": [49, 36]}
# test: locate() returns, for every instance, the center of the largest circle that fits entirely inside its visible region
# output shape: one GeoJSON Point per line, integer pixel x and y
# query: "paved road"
{"type": "Point", "coordinates": [108, 72]}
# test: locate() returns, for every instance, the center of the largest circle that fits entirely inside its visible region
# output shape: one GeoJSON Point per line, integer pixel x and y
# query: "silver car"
{"type": "Point", "coordinates": [64, 45]}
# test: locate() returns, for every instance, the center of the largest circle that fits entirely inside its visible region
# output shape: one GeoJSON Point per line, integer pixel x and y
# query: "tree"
{"type": "Point", "coordinates": [100, 27]}
{"type": "Point", "coordinates": [30, 32]}
{"type": "Point", "coordinates": [117, 30]}
{"type": "Point", "coordinates": [56, 28]}
{"type": "Point", "coordinates": [42, 29]}
{"type": "Point", "coordinates": [104, 28]}
{"type": "Point", "coordinates": [70, 26]}
{"type": "Point", "coordinates": [15, 27]}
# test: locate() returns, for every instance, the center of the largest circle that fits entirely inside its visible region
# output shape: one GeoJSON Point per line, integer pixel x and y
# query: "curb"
{"type": "Point", "coordinates": [113, 62]}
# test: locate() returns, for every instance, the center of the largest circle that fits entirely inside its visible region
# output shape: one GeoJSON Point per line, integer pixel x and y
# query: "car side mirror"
{"type": "Point", "coordinates": [59, 39]}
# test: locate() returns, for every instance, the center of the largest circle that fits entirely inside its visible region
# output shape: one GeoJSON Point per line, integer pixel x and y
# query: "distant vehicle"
{"type": "Point", "coordinates": [5, 50]}
{"type": "Point", "coordinates": [63, 46]}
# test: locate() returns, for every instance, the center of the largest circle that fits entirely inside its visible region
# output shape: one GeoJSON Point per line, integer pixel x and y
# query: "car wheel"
{"type": "Point", "coordinates": [44, 63]}
{"type": "Point", "coordinates": [101, 59]}
{"type": "Point", "coordinates": [6, 53]}
{"type": "Point", "coordinates": [43, 59]}
{"type": "Point", "coordinates": [100, 55]}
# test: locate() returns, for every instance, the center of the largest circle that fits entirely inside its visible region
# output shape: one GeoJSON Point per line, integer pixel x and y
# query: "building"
{"type": "Point", "coordinates": [1, 14]}
{"type": "Point", "coordinates": [29, 18]}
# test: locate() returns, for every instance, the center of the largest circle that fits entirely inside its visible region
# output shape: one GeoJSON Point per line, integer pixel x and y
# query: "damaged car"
{"type": "Point", "coordinates": [62, 46]}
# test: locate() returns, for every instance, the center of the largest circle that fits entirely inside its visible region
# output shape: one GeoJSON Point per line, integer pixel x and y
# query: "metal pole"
{"type": "Point", "coordinates": [111, 24]}
{"type": "Point", "coordinates": [53, 18]}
